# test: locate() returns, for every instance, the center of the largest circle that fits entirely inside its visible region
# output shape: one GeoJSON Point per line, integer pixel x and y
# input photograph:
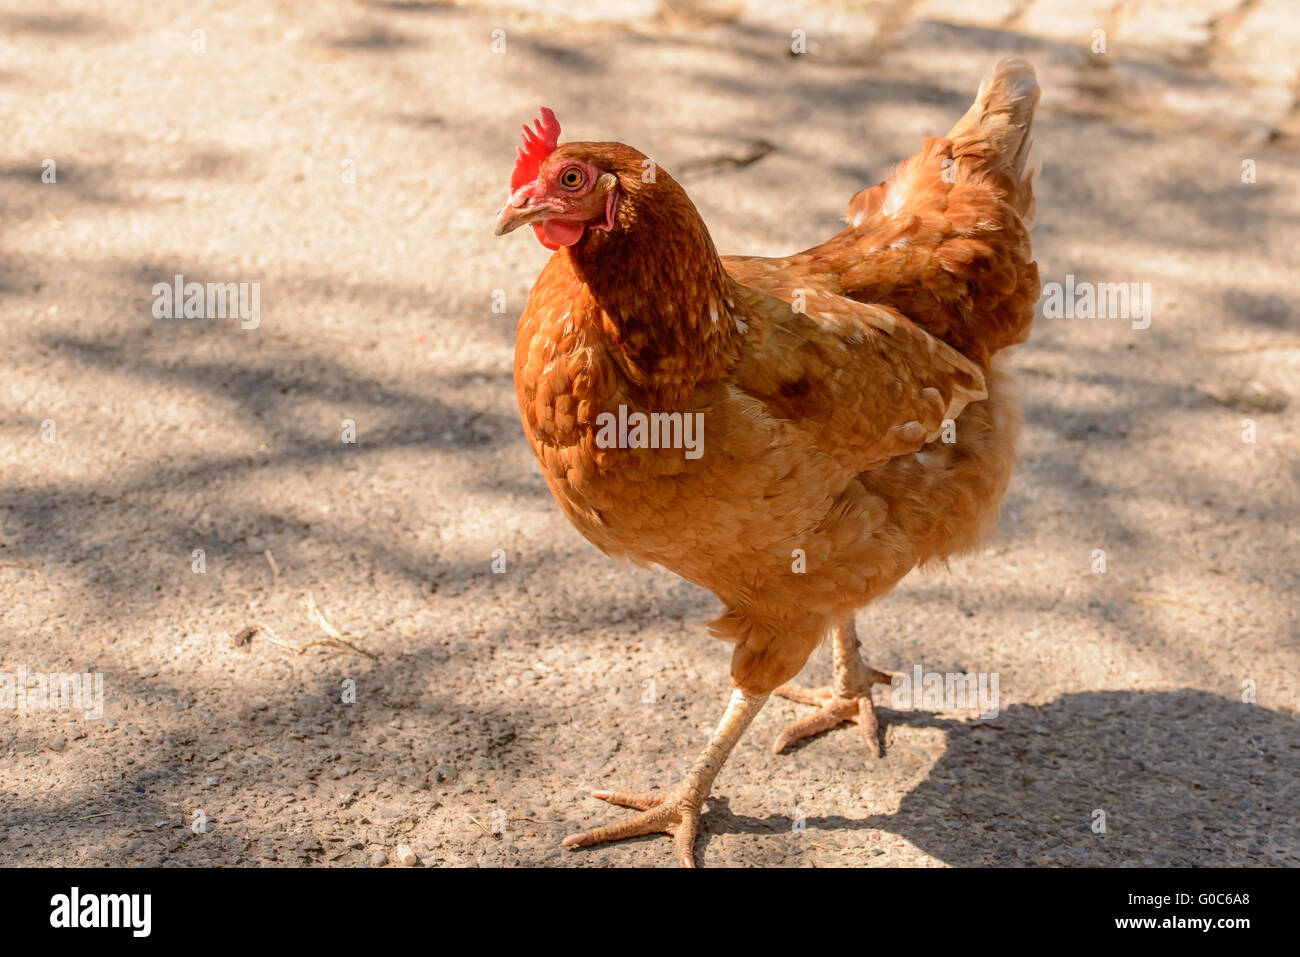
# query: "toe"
{"type": "Point", "coordinates": [684, 839]}
{"type": "Point", "coordinates": [654, 821]}
{"type": "Point", "coordinates": [638, 800]}
{"type": "Point", "coordinates": [869, 726]}
{"type": "Point", "coordinates": [828, 717]}
{"type": "Point", "coordinates": [812, 696]}
{"type": "Point", "coordinates": [879, 677]}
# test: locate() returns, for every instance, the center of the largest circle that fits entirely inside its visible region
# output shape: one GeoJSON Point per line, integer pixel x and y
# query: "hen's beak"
{"type": "Point", "coordinates": [513, 216]}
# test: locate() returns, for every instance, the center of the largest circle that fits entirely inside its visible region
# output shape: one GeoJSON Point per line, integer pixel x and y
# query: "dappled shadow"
{"type": "Point", "coordinates": [57, 25]}
{"type": "Point", "coordinates": [412, 6]}
{"type": "Point", "coordinates": [375, 39]}
{"type": "Point", "coordinates": [52, 524]}
{"type": "Point", "coordinates": [225, 757]}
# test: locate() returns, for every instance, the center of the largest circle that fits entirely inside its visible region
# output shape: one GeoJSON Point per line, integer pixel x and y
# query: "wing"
{"type": "Point", "coordinates": [863, 382]}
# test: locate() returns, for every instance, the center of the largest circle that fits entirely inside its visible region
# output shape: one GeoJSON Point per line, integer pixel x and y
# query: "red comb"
{"type": "Point", "coordinates": [538, 144]}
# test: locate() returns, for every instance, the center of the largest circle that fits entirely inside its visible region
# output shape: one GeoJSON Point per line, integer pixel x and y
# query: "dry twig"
{"type": "Point", "coordinates": [335, 636]}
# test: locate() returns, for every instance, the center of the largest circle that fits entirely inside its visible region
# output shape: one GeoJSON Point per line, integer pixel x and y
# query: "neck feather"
{"type": "Point", "coordinates": [667, 304]}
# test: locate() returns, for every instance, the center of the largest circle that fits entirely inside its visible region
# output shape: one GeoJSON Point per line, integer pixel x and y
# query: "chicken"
{"type": "Point", "coordinates": [793, 434]}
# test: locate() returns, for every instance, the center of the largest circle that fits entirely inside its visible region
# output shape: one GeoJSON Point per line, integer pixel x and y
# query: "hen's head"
{"type": "Point", "coordinates": [568, 193]}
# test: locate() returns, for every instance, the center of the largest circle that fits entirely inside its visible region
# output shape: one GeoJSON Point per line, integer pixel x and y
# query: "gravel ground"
{"type": "Point", "coordinates": [351, 160]}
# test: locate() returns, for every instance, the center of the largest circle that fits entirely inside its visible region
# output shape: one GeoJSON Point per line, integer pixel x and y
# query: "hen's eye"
{"type": "Point", "coordinates": [571, 178]}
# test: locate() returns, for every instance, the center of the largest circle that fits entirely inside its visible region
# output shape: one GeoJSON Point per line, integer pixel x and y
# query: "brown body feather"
{"type": "Point", "coordinates": [824, 380]}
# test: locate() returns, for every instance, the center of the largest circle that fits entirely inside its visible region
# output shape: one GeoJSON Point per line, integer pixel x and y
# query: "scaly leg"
{"type": "Point", "coordinates": [847, 699]}
{"type": "Point", "coordinates": [678, 811]}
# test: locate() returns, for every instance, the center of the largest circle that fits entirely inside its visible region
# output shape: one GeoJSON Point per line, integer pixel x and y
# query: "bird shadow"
{"type": "Point", "coordinates": [1101, 779]}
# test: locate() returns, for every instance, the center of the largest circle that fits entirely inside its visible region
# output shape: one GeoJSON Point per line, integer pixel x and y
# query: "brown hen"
{"type": "Point", "coordinates": [853, 421]}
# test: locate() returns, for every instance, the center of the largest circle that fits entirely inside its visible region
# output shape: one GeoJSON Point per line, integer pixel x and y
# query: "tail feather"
{"type": "Point", "coordinates": [991, 141]}
{"type": "Point", "coordinates": [995, 134]}
{"type": "Point", "coordinates": [945, 239]}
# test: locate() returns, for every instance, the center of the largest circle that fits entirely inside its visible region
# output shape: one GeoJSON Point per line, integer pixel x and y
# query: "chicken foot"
{"type": "Point", "coordinates": [848, 698]}
{"type": "Point", "coordinates": [677, 812]}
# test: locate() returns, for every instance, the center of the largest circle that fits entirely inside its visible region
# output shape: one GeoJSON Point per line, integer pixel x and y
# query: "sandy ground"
{"type": "Point", "coordinates": [351, 160]}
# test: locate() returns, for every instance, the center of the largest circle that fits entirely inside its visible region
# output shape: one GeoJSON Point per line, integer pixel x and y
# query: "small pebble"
{"type": "Point", "coordinates": [404, 856]}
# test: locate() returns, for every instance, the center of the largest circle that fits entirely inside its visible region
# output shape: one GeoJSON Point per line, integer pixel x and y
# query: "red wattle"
{"type": "Point", "coordinates": [562, 232]}
{"type": "Point", "coordinates": [541, 237]}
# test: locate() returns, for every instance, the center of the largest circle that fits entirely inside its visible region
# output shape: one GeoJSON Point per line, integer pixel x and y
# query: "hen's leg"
{"type": "Point", "coordinates": [847, 699]}
{"type": "Point", "coordinates": [677, 812]}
